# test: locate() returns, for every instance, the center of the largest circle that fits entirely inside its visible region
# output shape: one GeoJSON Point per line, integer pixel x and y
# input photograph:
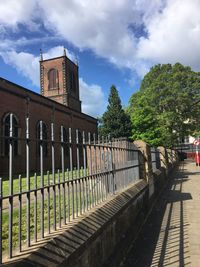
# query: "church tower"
{"type": "Point", "coordinates": [59, 81]}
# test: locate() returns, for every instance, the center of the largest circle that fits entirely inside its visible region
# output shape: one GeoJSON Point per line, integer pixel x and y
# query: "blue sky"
{"type": "Point", "coordinates": [115, 42]}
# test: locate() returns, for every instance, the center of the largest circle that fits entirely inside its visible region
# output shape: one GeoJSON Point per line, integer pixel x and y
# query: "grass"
{"type": "Point", "coordinates": [16, 181]}
{"type": "Point", "coordinates": [15, 241]}
{"type": "Point", "coordinates": [68, 193]}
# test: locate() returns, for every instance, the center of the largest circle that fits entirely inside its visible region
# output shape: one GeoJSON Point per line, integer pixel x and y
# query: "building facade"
{"type": "Point", "coordinates": [47, 117]}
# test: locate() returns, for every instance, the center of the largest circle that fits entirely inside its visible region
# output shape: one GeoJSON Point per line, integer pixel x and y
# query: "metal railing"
{"type": "Point", "coordinates": [76, 172]}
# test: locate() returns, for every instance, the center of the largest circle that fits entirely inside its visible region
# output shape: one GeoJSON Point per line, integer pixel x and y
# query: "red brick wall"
{"type": "Point", "coordinates": [21, 102]}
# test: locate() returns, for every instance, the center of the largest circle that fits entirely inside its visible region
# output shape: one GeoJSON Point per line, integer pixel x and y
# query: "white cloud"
{"type": "Point", "coordinates": [58, 51]}
{"type": "Point", "coordinates": [98, 25]}
{"type": "Point", "coordinates": [93, 99]}
{"type": "Point", "coordinates": [172, 27]}
{"type": "Point", "coordinates": [110, 28]}
{"type": "Point", "coordinates": [25, 64]}
{"type": "Point", "coordinates": [14, 12]}
{"type": "Point", "coordinates": [174, 34]}
{"type": "Point", "coordinates": [28, 65]}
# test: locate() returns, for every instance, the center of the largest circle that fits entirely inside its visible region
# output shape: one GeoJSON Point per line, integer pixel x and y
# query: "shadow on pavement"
{"type": "Point", "coordinates": [164, 238]}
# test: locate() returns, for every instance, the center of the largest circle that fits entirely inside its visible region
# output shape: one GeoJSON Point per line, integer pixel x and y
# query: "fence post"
{"type": "Point", "coordinates": [164, 159]}
{"type": "Point", "coordinates": [146, 150]}
{"type": "Point", "coordinates": [63, 170]}
{"type": "Point", "coordinates": [28, 180]}
{"type": "Point", "coordinates": [10, 236]}
{"type": "Point", "coordinates": [71, 170]}
{"type": "Point", "coordinates": [85, 188]}
{"type": "Point", "coordinates": [53, 174]}
{"type": "Point", "coordinates": [42, 176]}
{"type": "Point", "coordinates": [112, 182]}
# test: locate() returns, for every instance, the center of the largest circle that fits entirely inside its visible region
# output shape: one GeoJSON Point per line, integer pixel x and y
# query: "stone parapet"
{"type": "Point", "coordinates": [146, 150]}
{"type": "Point", "coordinates": [164, 160]}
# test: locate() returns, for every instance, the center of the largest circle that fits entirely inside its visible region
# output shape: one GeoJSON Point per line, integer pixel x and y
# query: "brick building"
{"type": "Point", "coordinates": [58, 104]}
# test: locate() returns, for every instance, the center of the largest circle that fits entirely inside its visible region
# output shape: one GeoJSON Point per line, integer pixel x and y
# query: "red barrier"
{"type": "Point", "coordinates": [197, 158]}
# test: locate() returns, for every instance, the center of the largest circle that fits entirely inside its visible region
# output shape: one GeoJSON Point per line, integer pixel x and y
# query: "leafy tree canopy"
{"type": "Point", "coordinates": [167, 106]}
{"type": "Point", "coordinates": [115, 122]}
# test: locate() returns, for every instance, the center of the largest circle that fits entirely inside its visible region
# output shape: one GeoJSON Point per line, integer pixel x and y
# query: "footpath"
{"type": "Point", "coordinates": [171, 234]}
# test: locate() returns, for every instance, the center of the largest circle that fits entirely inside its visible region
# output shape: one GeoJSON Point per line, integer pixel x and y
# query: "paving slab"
{"type": "Point", "coordinates": [171, 234]}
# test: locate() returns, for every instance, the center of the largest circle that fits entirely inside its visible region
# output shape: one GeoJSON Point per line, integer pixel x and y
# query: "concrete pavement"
{"type": "Point", "coordinates": [171, 235]}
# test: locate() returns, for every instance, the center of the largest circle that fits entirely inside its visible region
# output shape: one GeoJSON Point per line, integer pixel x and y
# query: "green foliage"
{"type": "Point", "coordinates": [115, 122]}
{"type": "Point", "coordinates": [167, 107]}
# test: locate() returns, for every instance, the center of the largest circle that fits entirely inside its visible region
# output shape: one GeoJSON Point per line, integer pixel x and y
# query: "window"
{"type": "Point", "coordinates": [53, 79]}
{"type": "Point", "coordinates": [6, 127]}
{"type": "Point", "coordinates": [72, 81]}
{"type": "Point", "coordinates": [44, 142]}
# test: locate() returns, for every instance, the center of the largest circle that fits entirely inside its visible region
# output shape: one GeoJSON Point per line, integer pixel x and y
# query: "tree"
{"type": "Point", "coordinates": [115, 122]}
{"type": "Point", "coordinates": [167, 106]}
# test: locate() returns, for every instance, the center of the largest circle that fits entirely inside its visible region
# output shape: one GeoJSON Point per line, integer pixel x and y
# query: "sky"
{"type": "Point", "coordinates": [115, 42]}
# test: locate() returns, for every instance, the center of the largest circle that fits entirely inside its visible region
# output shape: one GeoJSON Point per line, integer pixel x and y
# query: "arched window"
{"type": "Point", "coordinates": [72, 81]}
{"type": "Point", "coordinates": [53, 79]}
{"type": "Point", "coordinates": [42, 129]}
{"type": "Point", "coordinates": [15, 142]}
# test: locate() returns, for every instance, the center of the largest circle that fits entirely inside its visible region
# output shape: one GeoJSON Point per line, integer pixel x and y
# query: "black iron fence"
{"type": "Point", "coordinates": [75, 172]}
